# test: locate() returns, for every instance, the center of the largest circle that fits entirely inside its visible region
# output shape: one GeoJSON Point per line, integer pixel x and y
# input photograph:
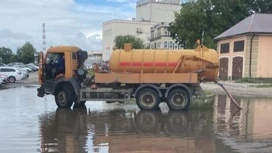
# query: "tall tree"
{"type": "Point", "coordinates": [137, 43]}
{"type": "Point", "coordinates": [26, 53]}
{"type": "Point", "coordinates": [188, 24]}
{"type": "Point", "coordinates": [212, 17]}
{"type": "Point", "coordinates": [7, 55]}
{"type": "Point", "coordinates": [260, 6]}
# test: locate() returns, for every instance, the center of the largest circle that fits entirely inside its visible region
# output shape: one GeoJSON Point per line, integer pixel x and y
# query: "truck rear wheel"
{"type": "Point", "coordinates": [148, 121]}
{"type": "Point", "coordinates": [178, 99]}
{"type": "Point", "coordinates": [148, 99]}
{"type": "Point", "coordinates": [64, 98]}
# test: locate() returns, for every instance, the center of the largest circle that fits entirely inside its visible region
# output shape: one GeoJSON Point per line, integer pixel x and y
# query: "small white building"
{"type": "Point", "coordinates": [148, 14]}
{"type": "Point", "coordinates": [161, 39]}
{"type": "Point", "coordinates": [94, 57]}
{"type": "Point", "coordinates": [117, 27]}
{"type": "Point", "coordinates": [157, 10]}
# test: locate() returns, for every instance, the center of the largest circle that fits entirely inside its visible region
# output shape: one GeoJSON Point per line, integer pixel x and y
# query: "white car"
{"type": "Point", "coordinates": [33, 65]}
{"type": "Point", "coordinates": [27, 70]}
{"type": "Point", "coordinates": [1, 82]}
{"type": "Point", "coordinates": [4, 78]}
{"type": "Point", "coordinates": [12, 73]}
{"type": "Point", "coordinates": [24, 73]}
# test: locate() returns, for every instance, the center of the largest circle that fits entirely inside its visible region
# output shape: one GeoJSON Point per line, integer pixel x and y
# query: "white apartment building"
{"type": "Point", "coordinates": [161, 39]}
{"type": "Point", "coordinates": [148, 14]}
{"type": "Point", "coordinates": [117, 27]}
{"type": "Point", "coordinates": [157, 10]}
{"type": "Point", "coordinates": [94, 57]}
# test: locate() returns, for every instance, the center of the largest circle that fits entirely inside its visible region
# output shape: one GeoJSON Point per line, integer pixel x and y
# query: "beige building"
{"type": "Point", "coordinates": [148, 14]}
{"type": "Point", "coordinates": [157, 10]}
{"type": "Point", "coordinates": [245, 49]}
{"type": "Point", "coordinates": [161, 39]}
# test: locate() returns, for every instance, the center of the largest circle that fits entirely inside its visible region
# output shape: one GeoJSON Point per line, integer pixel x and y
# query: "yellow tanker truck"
{"type": "Point", "coordinates": [151, 76]}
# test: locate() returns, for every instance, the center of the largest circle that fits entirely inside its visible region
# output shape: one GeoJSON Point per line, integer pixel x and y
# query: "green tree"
{"type": "Point", "coordinates": [26, 53]}
{"type": "Point", "coordinates": [212, 17]}
{"type": "Point", "coordinates": [260, 6]}
{"type": "Point", "coordinates": [7, 55]}
{"type": "Point", "coordinates": [188, 24]}
{"type": "Point", "coordinates": [137, 43]}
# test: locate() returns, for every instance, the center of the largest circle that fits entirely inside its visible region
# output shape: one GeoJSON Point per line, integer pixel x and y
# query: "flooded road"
{"type": "Point", "coordinates": [31, 124]}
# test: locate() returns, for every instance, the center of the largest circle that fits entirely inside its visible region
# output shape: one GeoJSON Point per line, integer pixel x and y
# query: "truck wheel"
{"type": "Point", "coordinates": [148, 121]}
{"type": "Point", "coordinates": [148, 99]}
{"type": "Point", "coordinates": [64, 98]}
{"type": "Point", "coordinates": [177, 122]}
{"type": "Point", "coordinates": [178, 99]}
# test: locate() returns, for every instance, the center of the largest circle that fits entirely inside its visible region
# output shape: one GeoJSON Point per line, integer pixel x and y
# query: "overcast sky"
{"type": "Point", "coordinates": [68, 22]}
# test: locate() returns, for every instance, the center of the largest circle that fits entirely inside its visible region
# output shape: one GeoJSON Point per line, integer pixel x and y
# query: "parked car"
{"type": "Point", "coordinates": [4, 78]}
{"type": "Point", "coordinates": [33, 65]}
{"type": "Point", "coordinates": [13, 73]}
{"type": "Point", "coordinates": [32, 68]}
{"type": "Point", "coordinates": [24, 73]}
{"type": "Point", "coordinates": [2, 64]}
{"type": "Point", "coordinates": [23, 68]}
{"type": "Point", "coordinates": [1, 82]}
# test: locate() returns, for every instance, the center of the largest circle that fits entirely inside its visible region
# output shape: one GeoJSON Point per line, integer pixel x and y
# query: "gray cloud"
{"type": "Point", "coordinates": [8, 34]}
{"type": "Point", "coordinates": [67, 22]}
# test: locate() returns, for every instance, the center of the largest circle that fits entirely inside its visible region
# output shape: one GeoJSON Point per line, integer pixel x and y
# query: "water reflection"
{"type": "Point", "coordinates": [220, 129]}
{"type": "Point", "coordinates": [248, 130]}
{"type": "Point", "coordinates": [120, 130]}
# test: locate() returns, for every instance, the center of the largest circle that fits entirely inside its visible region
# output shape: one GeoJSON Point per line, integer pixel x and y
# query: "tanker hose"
{"type": "Point", "coordinates": [232, 99]}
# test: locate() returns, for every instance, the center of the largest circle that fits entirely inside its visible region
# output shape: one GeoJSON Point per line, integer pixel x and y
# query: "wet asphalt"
{"type": "Point", "coordinates": [32, 124]}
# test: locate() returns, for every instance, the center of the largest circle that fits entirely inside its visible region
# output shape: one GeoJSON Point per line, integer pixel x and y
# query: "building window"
{"type": "Point", "coordinates": [176, 46]}
{"type": "Point", "coordinates": [165, 32]}
{"type": "Point", "coordinates": [171, 45]}
{"type": "Point", "coordinates": [107, 32]}
{"type": "Point", "coordinates": [165, 44]}
{"type": "Point", "coordinates": [224, 48]}
{"type": "Point", "coordinates": [152, 34]}
{"type": "Point", "coordinates": [158, 45]}
{"type": "Point", "coordinates": [239, 46]}
{"type": "Point", "coordinates": [159, 32]}
{"type": "Point", "coordinates": [139, 30]}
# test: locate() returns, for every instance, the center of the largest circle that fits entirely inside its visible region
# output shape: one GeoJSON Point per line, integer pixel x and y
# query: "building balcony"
{"type": "Point", "coordinates": [157, 37]}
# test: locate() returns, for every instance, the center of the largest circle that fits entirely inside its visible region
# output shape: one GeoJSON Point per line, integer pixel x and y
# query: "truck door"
{"type": "Point", "coordinates": [41, 69]}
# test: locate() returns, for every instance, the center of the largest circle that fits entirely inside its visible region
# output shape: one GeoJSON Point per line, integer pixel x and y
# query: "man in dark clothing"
{"type": "Point", "coordinates": [60, 64]}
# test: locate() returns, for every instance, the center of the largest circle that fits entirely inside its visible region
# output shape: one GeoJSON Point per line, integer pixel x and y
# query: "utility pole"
{"type": "Point", "coordinates": [44, 38]}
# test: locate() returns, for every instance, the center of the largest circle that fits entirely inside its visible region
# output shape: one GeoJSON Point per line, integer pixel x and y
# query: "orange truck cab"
{"type": "Point", "coordinates": [56, 77]}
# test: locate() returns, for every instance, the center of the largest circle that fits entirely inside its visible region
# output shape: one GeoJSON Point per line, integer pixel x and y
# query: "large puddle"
{"type": "Point", "coordinates": [31, 124]}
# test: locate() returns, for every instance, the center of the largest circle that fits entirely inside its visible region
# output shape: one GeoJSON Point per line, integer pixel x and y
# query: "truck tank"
{"type": "Point", "coordinates": [201, 59]}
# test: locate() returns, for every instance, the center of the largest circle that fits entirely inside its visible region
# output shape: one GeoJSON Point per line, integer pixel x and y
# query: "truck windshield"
{"type": "Point", "coordinates": [52, 58]}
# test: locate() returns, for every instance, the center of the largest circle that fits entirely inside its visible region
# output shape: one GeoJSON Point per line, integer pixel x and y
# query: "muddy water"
{"type": "Point", "coordinates": [31, 124]}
